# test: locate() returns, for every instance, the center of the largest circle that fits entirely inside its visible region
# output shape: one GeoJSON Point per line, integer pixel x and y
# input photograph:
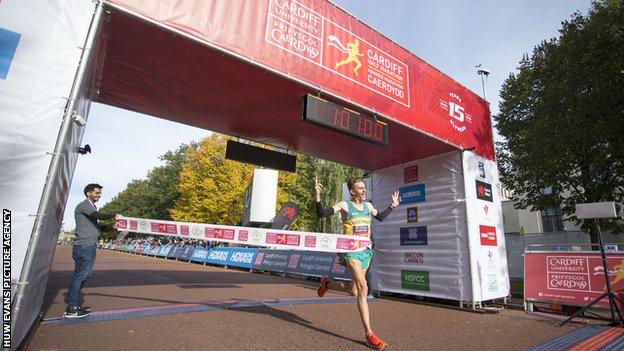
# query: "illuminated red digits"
{"type": "Point", "coordinates": [378, 135]}
{"type": "Point", "coordinates": [344, 121]}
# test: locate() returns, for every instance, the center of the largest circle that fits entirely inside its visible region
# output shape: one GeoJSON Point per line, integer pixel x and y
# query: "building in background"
{"type": "Point", "coordinates": [519, 221]}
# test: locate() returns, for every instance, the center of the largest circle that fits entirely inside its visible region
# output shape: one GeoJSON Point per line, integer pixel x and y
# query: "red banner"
{"type": "Point", "coordinates": [575, 278]}
{"type": "Point", "coordinates": [320, 44]}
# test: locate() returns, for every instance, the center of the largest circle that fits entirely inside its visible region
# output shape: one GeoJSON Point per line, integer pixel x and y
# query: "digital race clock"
{"type": "Point", "coordinates": [344, 120]}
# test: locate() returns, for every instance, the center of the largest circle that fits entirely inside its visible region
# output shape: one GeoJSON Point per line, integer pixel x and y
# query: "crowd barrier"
{"type": "Point", "coordinates": [305, 263]}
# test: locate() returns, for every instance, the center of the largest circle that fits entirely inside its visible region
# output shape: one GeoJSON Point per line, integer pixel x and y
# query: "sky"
{"type": "Point", "coordinates": [452, 35]}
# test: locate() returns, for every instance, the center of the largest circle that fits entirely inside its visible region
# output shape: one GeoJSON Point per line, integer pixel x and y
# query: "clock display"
{"type": "Point", "coordinates": [344, 120]}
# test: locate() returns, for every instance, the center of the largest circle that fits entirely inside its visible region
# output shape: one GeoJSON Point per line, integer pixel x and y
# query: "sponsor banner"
{"type": "Point", "coordinates": [199, 254]}
{"type": "Point", "coordinates": [282, 239]}
{"type": "Point", "coordinates": [243, 258]}
{"type": "Point", "coordinates": [154, 251]}
{"type": "Point", "coordinates": [164, 228]}
{"type": "Point", "coordinates": [219, 233]}
{"type": "Point", "coordinates": [363, 63]}
{"type": "Point", "coordinates": [484, 191]}
{"type": "Point", "coordinates": [186, 252]}
{"type": "Point", "coordinates": [484, 216]}
{"type": "Point", "coordinates": [174, 252]}
{"type": "Point", "coordinates": [402, 245]}
{"type": "Point", "coordinates": [410, 174]}
{"type": "Point", "coordinates": [314, 263]}
{"type": "Point", "coordinates": [413, 235]}
{"type": "Point", "coordinates": [339, 270]}
{"type": "Point", "coordinates": [575, 278]}
{"type": "Point", "coordinates": [492, 283]}
{"type": "Point", "coordinates": [263, 237]}
{"type": "Point", "coordinates": [485, 212]}
{"type": "Point", "coordinates": [9, 40]}
{"type": "Point", "coordinates": [218, 255]}
{"type": "Point", "coordinates": [412, 194]}
{"type": "Point", "coordinates": [412, 214]}
{"type": "Point", "coordinates": [481, 169]}
{"type": "Point", "coordinates": [164, 250]}
{"type": "Point", "coordinates": [413, 257]}
{"type": "Point", "coordinates": [415, 280]}
{"type": "Point", "coordinates": [272, 260]}
{"type": "Point", "coordinates": [226, 256]}
{"type": "Point", "coordinates": [300, 262]}
{"type": "Point", "coordinates": [318, 43]}
{"type": "Point", "coordinates": [487, 235]}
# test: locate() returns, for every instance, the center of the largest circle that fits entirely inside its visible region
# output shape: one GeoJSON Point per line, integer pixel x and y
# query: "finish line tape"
{"type": "Point", "coordinates": [263, 237]}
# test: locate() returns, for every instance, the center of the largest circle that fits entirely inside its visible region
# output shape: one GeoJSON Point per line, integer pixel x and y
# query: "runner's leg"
{"type": "Point", "coordinates": [358, 276]}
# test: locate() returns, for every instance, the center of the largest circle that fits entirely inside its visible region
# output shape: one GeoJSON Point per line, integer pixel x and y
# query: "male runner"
{"type": "Point", "coordinates": [356, 220]}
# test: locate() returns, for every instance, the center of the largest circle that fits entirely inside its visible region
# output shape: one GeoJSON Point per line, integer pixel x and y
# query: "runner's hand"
{"type": "Point", "coordinates": [318, 187]}
{"type": "Point", "coordinates": [395, 199]}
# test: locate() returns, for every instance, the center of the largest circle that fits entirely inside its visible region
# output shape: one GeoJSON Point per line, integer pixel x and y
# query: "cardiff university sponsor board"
{"type": "Point", "coordinates": [570, 277]}
{"type": "Point", "coordinates": [296, 28]}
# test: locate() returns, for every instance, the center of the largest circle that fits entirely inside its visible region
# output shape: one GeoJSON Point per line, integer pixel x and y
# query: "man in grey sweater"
{"type": "Point", "coordinates": [88, 230]}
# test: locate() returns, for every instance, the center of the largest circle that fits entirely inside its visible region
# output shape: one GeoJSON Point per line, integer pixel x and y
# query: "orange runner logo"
{"type": "Point", "coordinates": [352, 50]}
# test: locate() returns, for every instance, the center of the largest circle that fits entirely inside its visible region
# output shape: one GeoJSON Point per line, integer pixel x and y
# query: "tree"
{"type": "Point", "coordinates": [211, 188]}
{"type": "Point", "coordinates": [197, 184]}
{"type": "Point", "coordinates": [154, 196]}
{"type": "Point", "coordinates": [296, 187]}
{"type": "Point", "coordinates": [562, 117]}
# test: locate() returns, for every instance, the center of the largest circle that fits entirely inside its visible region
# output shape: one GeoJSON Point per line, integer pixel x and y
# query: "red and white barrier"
{"type": "Point", "coordinates": [264, 237]}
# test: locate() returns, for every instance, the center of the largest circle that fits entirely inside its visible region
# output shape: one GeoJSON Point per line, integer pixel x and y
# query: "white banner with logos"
{"type": "Point", "coordinates": [40, 51]}
{"type": "Point", "coordinates": [42, 41]}
{"type": "Point", "coordinates": [264, 237]}
{"type": "Point", "coordinates": [422, 248]}
{"type": "Point", "coordinates": [485, 228]}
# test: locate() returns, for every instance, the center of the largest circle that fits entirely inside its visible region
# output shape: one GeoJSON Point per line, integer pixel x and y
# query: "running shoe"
{"type": "Point", "coordinates": [322, 289]}
{"type": "Point", "coordinates": [75, 312]}
{"type": "Point", "coordinates": [374, 342]}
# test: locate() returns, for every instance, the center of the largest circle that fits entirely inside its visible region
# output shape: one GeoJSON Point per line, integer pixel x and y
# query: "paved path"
{"type": "Point", "coordinates": [185, 306]}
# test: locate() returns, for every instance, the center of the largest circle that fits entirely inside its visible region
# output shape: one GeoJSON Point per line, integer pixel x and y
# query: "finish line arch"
{"type": "Point", "coordinates": [243, 68]}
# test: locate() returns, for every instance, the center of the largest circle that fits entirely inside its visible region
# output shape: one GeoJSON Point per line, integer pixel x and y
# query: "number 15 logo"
{"type": "Point", "coordinates": [456, 111]}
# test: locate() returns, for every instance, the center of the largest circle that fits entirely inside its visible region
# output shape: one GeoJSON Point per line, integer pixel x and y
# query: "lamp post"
{"type": "Point", "coordinates": [483, 72]}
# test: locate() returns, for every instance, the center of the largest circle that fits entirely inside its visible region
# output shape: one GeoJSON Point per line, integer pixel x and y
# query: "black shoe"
{"type": "Point", "coordinates": [85, 308]}
{"type": "Point", "coordinates": [75, 312]}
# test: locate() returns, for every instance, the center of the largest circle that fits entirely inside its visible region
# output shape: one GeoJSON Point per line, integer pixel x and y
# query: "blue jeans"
{"type": "Point", "coordinates": [84, 257]}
